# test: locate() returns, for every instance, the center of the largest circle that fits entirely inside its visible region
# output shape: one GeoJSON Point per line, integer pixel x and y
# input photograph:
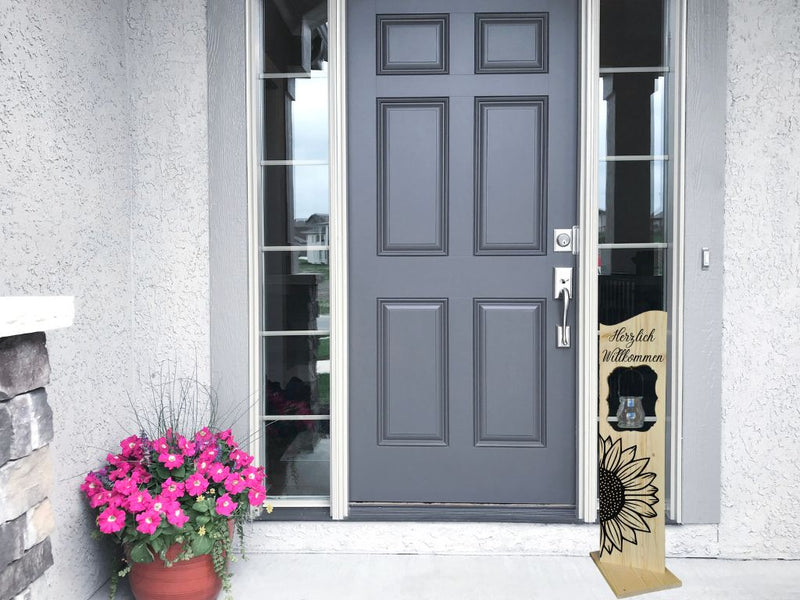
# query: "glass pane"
{"type": "Point", "coordinates": [296, 205]}
{"type": "Point", "coordinates": [296, 118]}
{"type": "Point", "coordinates": [296, 291]}
{"type": "Point", "coordinates": [632, 114]}
{"type": "Point", "coordinates": [630, 281]}
{"type": "Point", "coordinates": [631, 201]}
{"type": "Point", "coordinates": [631, 33]}
{"type": "Point", "coordinates": [298, 458]}
{"type": "Point", "coordinates": [297, 375]}
{"type": "Point", "coordinates": [295, 35]}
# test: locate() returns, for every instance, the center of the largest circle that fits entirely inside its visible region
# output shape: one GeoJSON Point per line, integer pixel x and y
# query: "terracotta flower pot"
{"type": "Point", "coordinates": [192, 579]}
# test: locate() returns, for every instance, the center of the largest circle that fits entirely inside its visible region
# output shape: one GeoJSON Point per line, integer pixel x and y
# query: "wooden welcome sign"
{"type": "Point", "coordinates": [632, 386]}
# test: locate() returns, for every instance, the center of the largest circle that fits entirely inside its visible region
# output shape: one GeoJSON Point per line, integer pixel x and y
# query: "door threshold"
{"type": "Point", "coordinates": [469, 512]}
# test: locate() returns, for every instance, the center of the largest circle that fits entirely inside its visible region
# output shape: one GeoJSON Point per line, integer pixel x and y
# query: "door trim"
{"type": "Point", "coordinates": [587, 389]}
{"type": "Point", "coordinates": [340, 457]}
{"type": "Point", "coordinates": [588, 75]}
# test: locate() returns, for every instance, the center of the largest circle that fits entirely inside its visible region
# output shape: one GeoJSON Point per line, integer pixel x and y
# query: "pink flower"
{"type": "Point", "coordinates": [172, 489]}
{"type": "Point", "coordinates": [140, 475]}
{"type": "Point", "coordinates": [225, 435]}
{"type": "Point", "coordinates": [122, 470]}
{"type": "Point", "coordinates": [161, 503]}
{"type": "Point", "coordinates": [256, 496]}
{"type": "Point", "coordinates": [225, 505]}
{"type": "Point", "coordinates": [188, 448]}
{"type": "Point", "coordinates": [253, 476]}
{"type": "Point", "coordinates": [218, 472]}
{"type": "Point", "coordinates": [139, 501]}
{"type": "Point", "coordinates": [160, 445]}
{"type": "Point", "coordinates": [126, 487]}
{"type": "Point", "coordinates": [91, 485]}
{"type": "Point", "coordinates": [117, 501]}
{"type": "Point", "coordinates": [131, 447]}
{"type": "Point", "coordinates": [209, 453]}
{"type": "Point", "coordinates": [241, 458]}
{"type": "Point", "coordinates": [148, 521]}
{"type": "Point", "coordinates": [202, 465]}
{"type": "Point", "coordinates": [100, 498]}
{"type": "Point", "coordinates": [111, 520]}
{"type": "Point", "coordinates": [203, 435]}
{"type": "Point", "coordinates": [196, 484]}
{"type": "Point", "coordinates": [176, 516]}
{"type": "Point", "coordinates": [234, 483]}
{"type": "Point", "coordinates": [170, 460]}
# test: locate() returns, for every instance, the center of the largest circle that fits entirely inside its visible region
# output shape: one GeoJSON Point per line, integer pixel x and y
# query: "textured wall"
{"type": "Point", "coordinates": [103, 175]}
{"type": "Point", "coordinates": [65, 194]}
{"type": "Point", "coordinates": [761, 346]}
{"type": "Point", "coordinates": [166, 58]}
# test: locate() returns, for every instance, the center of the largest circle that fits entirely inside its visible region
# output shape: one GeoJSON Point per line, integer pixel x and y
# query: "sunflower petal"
{"type": "Point", "coordinates": [640, 482]}
{"type": "Point", "coordinates": [631, 470]}
{"type": "Point", "coordinates": [641, 508]}
{"type": "Point", "coordinates": [628, 532]}
{"type": "Point", "coordinates": [612, 456]}
{"type": "Point", "coordinates": [617, 535]}
{"type": "Point", "coordinates": [633, 519]}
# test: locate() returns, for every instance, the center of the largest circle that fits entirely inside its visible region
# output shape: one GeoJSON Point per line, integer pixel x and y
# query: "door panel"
{"type": "Point", "coordinates": [462, 159]}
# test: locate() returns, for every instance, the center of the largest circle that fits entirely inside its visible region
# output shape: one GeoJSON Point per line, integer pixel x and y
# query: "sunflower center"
{"type": "Point", "coordinates": [612, 495]}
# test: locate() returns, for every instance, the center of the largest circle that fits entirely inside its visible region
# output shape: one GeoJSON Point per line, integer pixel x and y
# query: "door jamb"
{"type": "Point", "coordinates": [587, 389]}
{"type": "Point", "coordinates": [587, 281]}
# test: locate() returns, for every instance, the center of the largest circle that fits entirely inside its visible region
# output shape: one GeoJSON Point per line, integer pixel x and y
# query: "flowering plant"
{"type": "Point", "coordinates": [175, 490]}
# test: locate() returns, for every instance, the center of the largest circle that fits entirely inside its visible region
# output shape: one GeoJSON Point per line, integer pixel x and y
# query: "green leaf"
{"type": "Point", "coordinates": [179, 473]}
{"type": "Point", "coordinates": [158, 545]}
{"type": "Point", "coordinates": [201, 545]}
{"type": "Point", "coordinates": [141, 553]}
{"type": "Point", "coordinates": [200, 506]}
{"type": "Point", "coordinates": [202, 520]}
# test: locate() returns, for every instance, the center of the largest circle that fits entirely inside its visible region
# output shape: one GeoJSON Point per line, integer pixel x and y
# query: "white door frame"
{"type": "Point", "coordinates": [587, 200]}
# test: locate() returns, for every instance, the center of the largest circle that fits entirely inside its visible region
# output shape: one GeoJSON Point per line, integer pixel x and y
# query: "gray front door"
{"type": "Point", "coordinates": [462, 133]}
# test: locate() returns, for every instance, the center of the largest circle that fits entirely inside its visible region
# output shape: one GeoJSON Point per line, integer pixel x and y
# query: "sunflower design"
{"type": "Point", "coordinates": [627, 495]}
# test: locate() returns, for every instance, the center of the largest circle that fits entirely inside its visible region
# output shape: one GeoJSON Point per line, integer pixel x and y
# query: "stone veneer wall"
{"type": "Point", "coordinates": [26, 429]}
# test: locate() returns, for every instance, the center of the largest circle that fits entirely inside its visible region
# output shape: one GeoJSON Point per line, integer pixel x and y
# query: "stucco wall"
{"type": "Point", "coordinates": [166, 64]}
{"type": "Point", "coordinates": [761, 339]}
{"type": "Point", "coordinates": [65, 195]}
{"type": "Point", "coordinates": [103, 178]}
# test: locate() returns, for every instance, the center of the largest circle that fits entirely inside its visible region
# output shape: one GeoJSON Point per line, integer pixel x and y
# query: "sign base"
{"type": "Point", "coordinates": [628, 581]}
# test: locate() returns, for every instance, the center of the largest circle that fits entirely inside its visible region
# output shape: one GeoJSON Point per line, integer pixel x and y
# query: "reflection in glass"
{"type": "Point", "coordinates": [299, 455]}
{"type": "Point", "coordinates": [296, 124]}
{"type": "Point", "coordinates": [631, 202]}
{"type": "Point", "coordinates": [630, 281]}
{"type": "Point", "coordinates": [631, 33]}
{"type": "Point", "coordinates": [296, 292]}
{"type": "Point", "coordinates": [295, 35]}
{"type": "Point", "coordinates": [297, 375]}
{"type": "Point", "coordinates": [632, 114]}
{"type": "Point", "coordinates": [296, 205]}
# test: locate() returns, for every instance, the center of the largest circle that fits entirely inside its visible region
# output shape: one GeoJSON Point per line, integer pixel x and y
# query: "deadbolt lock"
{"type": "Point", "coordinates": [564, 240]}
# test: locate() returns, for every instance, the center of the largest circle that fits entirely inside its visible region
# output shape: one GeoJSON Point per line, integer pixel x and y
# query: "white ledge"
{"type": "Point", "coordinates": [28, 314]}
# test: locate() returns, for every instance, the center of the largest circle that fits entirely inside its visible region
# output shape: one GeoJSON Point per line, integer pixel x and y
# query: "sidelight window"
{"type": "Point", "coordinates": [637, 218]}
{"type": "Point", "coordinates": [294, 283]}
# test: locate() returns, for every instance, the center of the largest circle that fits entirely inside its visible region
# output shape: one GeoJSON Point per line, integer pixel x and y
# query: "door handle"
{"type": "Point", "coordinates": [562, 289]}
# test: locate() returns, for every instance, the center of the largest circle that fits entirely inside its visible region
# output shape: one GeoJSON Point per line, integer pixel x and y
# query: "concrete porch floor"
{"type": "Point", "coordinates": [448, 577]}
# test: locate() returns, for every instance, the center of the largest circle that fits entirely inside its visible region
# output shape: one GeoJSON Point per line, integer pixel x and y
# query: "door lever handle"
{"type": "Point", "coordinates": [562, 290]}
{"type": "Point", "coordinates": [563, 330]}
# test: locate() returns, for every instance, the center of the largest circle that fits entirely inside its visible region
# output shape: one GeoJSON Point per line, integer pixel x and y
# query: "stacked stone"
{"type": "Point", "coordinates": [26, 429]}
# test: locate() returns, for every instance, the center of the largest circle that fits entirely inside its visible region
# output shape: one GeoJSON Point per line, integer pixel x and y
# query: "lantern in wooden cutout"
{"type": "Point", "coordinates": [631, 459]}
